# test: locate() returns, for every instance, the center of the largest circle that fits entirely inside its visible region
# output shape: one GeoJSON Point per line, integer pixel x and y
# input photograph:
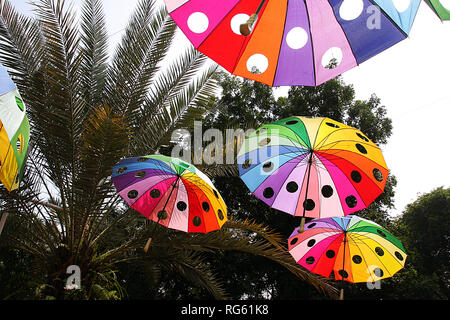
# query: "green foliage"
{"type": "Point", "coordinates": [87, 111]}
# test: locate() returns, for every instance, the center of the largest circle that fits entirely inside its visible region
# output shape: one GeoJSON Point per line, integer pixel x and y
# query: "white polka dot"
{"type": "Point", "coordinates": [401, 5]}
{"type": "Point", "coordinates": [237, 20]}
{"type": "Point", "coordinates": [351, 9]}
{"type": "Point", "coordinates": [198, 22]}
{"type": "Point", "coordinates": [445, 4]}
{"type": "Point", "coordinates": [297, 38]}
{"type": "Point", "coordinates": [334, 54]}
{"type": "Point", "coordinates": [257, 63]}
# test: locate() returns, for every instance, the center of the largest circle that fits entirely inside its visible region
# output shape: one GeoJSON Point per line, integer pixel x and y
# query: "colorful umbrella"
{"type": "Point", "coordinates": [440, 7]}
{"type": "Point", "coordinates": [312, 167]}
{"type": "Point", "coordinates": [292, 42]}
{"type": "Point", "coordinates": [351, 248]}
{"type": "Point", "coordinates": [170, 192]}
{"type": "Point", "coordinates": [14, 133]}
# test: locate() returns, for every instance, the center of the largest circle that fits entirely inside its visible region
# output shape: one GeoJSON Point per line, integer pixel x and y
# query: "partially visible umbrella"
{"type": "Point", "coordinates": [312, 167]}
{"type": "Point", "coordinates": [170, 192]}
{"type": "Point", "coordinates": [351, 248]}
{"type": "Point", "coordinates": [440, 7]}
{"type": "Point", "coordinates": [14, 133]}
{"type": "Point", "coordinates": [284, 43]}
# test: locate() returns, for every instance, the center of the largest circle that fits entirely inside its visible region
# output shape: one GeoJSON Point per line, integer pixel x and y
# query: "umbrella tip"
{"type": "Point", "coordinates": [147, 245]}
{"type": "Point", "coordinates": [302, 226]}
{"type": "Point", "coordinates": [246, 28]}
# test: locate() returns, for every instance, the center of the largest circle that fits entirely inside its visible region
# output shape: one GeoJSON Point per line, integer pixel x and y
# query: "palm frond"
{"type": "Point", "coordinates": [94, 47]}
{"type": "Point", "coordinates": [20, 45]}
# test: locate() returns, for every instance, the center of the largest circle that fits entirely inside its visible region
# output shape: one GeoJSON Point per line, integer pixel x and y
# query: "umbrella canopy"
{"type": "Point", "coordinates": [293, 42]}
{"type": "Point", "coordinates": [171, 192]}
{"type": "Point", "coordinates": [352, 248]}
{"type": "Point", "coordinates": [312, 167]}
{"type": "Point", "coordinates": [440, 7]}
{"type": "Point", "coordinates": [14, 133]}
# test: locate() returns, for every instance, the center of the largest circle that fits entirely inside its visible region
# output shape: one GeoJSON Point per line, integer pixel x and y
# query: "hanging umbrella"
{"type": "Point", "coordinates": [14, 133]}
{"type": "Point", "coordinates": [284, 43]}
{"type": "Point", "coordinates": [170, 192]}
{"type": "Point", "coordinates": [312, 167]}
{"type": "Point", "coordinates": [353, 249]}
{"type": "Point", "coordinates": [440, 7]}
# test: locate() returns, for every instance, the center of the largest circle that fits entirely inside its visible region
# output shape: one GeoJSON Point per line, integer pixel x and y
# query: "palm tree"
{"type": "Point", "coordinates": [87, 111]}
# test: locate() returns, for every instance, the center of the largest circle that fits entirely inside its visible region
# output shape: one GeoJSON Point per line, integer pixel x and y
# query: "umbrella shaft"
{"type": "Point", "coordinates": [307, 184]}
{"type": "Point", "coordinates": [260, 7]}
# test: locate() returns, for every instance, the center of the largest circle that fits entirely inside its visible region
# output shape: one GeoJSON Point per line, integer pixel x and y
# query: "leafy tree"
{"type": "Point", "coordinates": [424, 228]}
{"type": "Point", "coordinates": [87, 111]}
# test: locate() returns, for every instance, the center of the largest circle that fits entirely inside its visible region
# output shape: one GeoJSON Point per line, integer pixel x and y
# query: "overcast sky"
{"type": "Point", "coordinates": [412, 81]}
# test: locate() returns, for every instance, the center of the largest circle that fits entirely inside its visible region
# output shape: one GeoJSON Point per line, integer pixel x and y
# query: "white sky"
{"type": "Point", "coordinates": [412, 79]}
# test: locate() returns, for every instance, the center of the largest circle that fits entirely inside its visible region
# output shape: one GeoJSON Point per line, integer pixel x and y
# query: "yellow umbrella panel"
{"type": "Point", "coordinates": [14, 133]}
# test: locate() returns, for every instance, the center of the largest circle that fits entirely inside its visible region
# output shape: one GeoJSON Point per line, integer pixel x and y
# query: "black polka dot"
{"type": "Point", "coordinates": [247, 163]}
{"type": "Point", "coordinates": [351, 201]}
{"type": "Point", "coordinates": [162, 215]}
{"type": "Point", "coordinates": [343, 273]}
{"type": "Point", "coordinates": [142, 159]}
{"type": "Point", "coordinates": [361, 148]}
{"type": "Point", "coordinates": [215, 193]}
{"type": "Point", "coordinates": [181, 205]}
{"type": "Point", "coordinates": [381, 233]}
{"type": "Point", "coordinates": [121, 170]}
{"type": "Point", "coordinates": [309, 204]}
{"type": "Point", "coordinates": [140, 174]}
{"type": "Point", "coordinates": [378, 175]}
{"type": "Point", "coordinates": [311, 243]}
{"type": "Point", "coordinates": [205, 206]}
{"type": "Point", "coordinates": [220, 214]}
{"type": "Point", "coordinates": [291, 122]}
{"type": "Point", "coordinates": [292, 187]}
{"type": "Point", "coordinates": [268, 193]}
{"type": "Point", "coordinates": [155, 193]}
{"type": "Point", "coordinates": [310, 260]}
{"type": "Point", "coordinates": [196, 221]}
{"type": "Point", "coordinates": [132, 194]}
{"type": "Point", "coordinates": [268, 166]}
{"type": "Point", "coordinates": [399, 256]}
{"type": "Point", "coordinates": [264, 142]}
{"type": "Point", "coordinates": [330, 254]}
{"type": "Point", "coordinates": [330, 124]}
{"type": "Point", "coordinates": [379, 251]}
{"type": "Point", "coordinates": [294, 241]}
{"type": "Point", "coordinates": [311, 225]}
{"type": "Point", "coordinates": [357, 259]}
{"type": "Point", "coordinates": [356, 176]}
{"type": "Point", "coordinates": [327, 191]}
{"type": "Point", "coordinates": [362, 137]}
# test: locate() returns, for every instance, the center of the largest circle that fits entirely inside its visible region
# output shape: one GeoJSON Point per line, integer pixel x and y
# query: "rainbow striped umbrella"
{"type": "Point", "coordinates": [351, 248]}
{"type": "Point", "coordinates": [170, 192]}
{"type": "Point", "coordinates": [14, 133]}
{"type": "Point", "coordinates": [440, 7]}
{"type": "Point", "coordinates": [292, 42]}
{"type": "Point", "coordinates": [312, 167]}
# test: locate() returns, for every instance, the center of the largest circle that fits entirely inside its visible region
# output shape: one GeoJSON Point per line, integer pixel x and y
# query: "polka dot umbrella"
{"type": "Point", "coordinates": [350, 248]}
{"type": "Point", "coordinates": [14, 133]}
{"type": "Point", "coordinates": [170, 192]}
{"type": "Point", "coordinates": [312, 167]}
{"type": "Point", "coordinates": [440, 7]}
{"type": "Point", "coordinates": [292, 42]}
